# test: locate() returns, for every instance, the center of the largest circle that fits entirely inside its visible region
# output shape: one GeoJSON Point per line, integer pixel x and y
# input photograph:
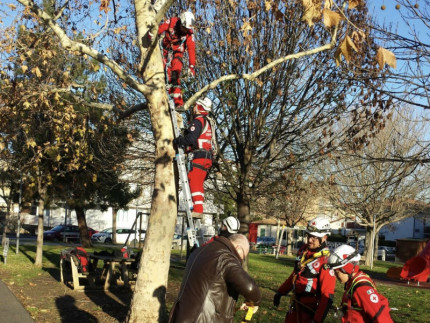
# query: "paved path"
{"type": "Point", "coordinates": [11, 310]}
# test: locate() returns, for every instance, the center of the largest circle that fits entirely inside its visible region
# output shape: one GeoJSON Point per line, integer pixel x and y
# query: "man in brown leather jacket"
{"type": "Point", "coordinates": [213, 280]}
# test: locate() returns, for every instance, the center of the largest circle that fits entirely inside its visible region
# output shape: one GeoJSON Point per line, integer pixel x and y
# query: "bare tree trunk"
{"type": "Point", "coordinates": [369, 246]}
{"type": "Point", "coordinates": [83, 229]}
{"type": "Point", "coordinates": [289, 240]}
{"type": "Point", "coordinates": [243, 212]}
{"type": "Point", "coordinates": [114, 216]}
{"type": "Point", "coordinates": [8, 207]}
{"type": "Point", "coordinates": [39, 243]}
{"type": "Point", "coordinates": [149, 298]}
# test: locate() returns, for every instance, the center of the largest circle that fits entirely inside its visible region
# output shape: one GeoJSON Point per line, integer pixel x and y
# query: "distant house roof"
{"type": "Point", "coordinates": [270, 221]}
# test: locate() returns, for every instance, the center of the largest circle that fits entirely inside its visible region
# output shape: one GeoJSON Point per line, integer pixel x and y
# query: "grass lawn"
{"type": "Point", "coordinates": [411, 303]}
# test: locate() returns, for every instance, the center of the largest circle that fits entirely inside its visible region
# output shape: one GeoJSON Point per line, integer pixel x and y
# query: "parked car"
{"type": "Point", "coordinates": [360, 247]}
{"type": "Point", "coordinates": [105, 236]}
{"type": "Point", "coordinates": [58, 233]}
{"type": "Point", "coordinates": [266, 241]}
{"type": "Point", "coordinates": [390, 252]}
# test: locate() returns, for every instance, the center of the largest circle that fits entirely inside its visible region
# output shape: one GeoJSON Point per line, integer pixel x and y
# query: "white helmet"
{"type": "Point", "coordinates": [205, 103]}
{"type": "Point", "coordinates": [318, 227]}
{"type": "Point", "coordinates": [232, 224]}
{"type": "Point", "coordinates": [187, 19]}
{"type": "Point", "coordinates": [345, 257]}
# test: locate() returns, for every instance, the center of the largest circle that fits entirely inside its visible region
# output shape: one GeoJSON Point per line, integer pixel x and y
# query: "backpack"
{"type": "Point", "coordinates": [80, 257]}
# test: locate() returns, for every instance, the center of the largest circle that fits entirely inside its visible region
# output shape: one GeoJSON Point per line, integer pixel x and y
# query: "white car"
{"type": "Point", "coordinates": [105, 236]}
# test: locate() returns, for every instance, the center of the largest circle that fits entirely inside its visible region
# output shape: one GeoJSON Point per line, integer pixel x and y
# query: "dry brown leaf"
{"type": "Point", "coordinates": [328, 4]}
{"type": "Point", "coordinates": [351, 43]}
{"type": "Point", "coordinates": [353, 4]}
{"type": "Point", "coordinates": [358, 36]}
{"type": "Point", "coordinates": [104, 6]}
{"type": "Point", "coordinates": [384, 56]}
{"type": "Point", "coordinates": [208, 30]}
{"type": "Point", "coordinates": [267, 5]}
{"type": "Point", "coordinates": [331, 18]}
{"type": "Point", "coordinates": [345, 49]}
{"type": "Point", "coordinates": [36, 71]}
{"type": "Point", "coordinates": [312, 12]}
{"type": "Point", "coordinates": [24, 68]}
{"type": "Point", "coordinates": [246, 27]}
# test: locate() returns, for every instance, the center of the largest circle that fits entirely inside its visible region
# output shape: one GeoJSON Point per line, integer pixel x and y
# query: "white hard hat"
{"type": "Point", "coordinates": [187, 19]}
{"type": "Point", "coordinates": [205, 103]}
{"type": "Point", "coordinates": [318, 227]}
{"type": "Point", "coordinates": [232, 224]}
{"type": "Point", "coordinates": [342, 256]}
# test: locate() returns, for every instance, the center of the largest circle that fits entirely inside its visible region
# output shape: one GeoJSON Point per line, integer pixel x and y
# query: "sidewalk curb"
{"type": "Point", "coordinates": [12, 311]}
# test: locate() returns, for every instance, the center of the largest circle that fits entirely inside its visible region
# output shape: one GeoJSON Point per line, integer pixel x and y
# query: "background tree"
{"type": "Point", "coordinates": [97, 182]}
{"type": "Point", "coordinates": [147, 78]}
{"type": "Point", "coordinates": [409, 39]}
{"type": "Point", "coordinates": [287, 197]}
{"type": "Point", "coordinates": [376, 190]}
{"type": "Point", "coordinates": [285, 117]}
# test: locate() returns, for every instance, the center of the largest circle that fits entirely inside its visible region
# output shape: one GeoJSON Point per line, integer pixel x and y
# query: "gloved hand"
{"type": "Point", "coordinates": [191, 71]}
{"type": "Point", "coordinates": [244, 307]}
{"type": "Point", "coordinates": [277, 299]}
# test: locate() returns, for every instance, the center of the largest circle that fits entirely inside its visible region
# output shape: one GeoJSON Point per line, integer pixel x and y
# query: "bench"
{"type": "Point", "coordinates": [76, 275]}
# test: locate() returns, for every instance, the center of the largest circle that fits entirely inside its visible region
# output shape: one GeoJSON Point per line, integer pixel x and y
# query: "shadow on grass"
{"type": "Point", "coordinates": [114, 302]}
{"type": "Point", "coordinates": [70, 313]}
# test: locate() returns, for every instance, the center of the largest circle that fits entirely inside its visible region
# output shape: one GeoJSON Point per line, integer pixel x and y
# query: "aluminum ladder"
{"type": "Point", "coordinates": [183, 177]}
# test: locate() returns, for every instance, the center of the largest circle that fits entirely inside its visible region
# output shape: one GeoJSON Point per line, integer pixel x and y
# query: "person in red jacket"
{"type": "Point", "coordinates": [361, 302]}
{"type": "Point", "coordinates": [311, 281]}
{"type": "Point", "coordinates": [178, 38]}
{"type": "Point", "coordinates": [198, 142]}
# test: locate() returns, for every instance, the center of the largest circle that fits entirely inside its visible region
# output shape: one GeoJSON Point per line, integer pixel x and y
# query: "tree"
{"type": "Point", "coordinates": [367, 185]}
{"type": "Point", "coordinates": [287, 197]}
{"type": "Point", "coordinates": [288, 115]}
{"type": "Point", "coordinates": [97, 183]}
{"type": "Point", "coordinates": [147, 78]}
{"type": "Point", "coordinates": [408, 39]}
{"type": "Point", "coordinates": [51, 135]}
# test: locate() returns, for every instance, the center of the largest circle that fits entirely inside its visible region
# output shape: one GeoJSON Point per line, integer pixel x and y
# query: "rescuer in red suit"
{"type": "Point", "coordinates": [361, 302]}
{"type": "Point", "coordinates": [198, 142]}
{"type": "Point", "coordinates": [178, 38]}
{"type": "Point", "coordinates": [311, 281]}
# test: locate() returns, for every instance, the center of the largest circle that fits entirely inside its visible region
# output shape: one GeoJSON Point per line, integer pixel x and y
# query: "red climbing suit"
{"type": "Point", "coordinates": [313, 286]}
{"type": "Point", "coordinates": [197, 141]}
{"type": "Point", "coordinates": [176, 41]}
{"type": "Point", "coordinates": [361, 302]}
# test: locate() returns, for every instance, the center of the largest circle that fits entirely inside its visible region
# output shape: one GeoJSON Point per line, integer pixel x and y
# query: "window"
{"type": "Point", "coordinates": [262, 232]}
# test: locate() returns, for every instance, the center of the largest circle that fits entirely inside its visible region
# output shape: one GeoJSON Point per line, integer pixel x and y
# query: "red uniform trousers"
{"type": "Point", "coordinates": [174, 69]}
{"type": "Point", "coordinates": [196, 178]}
{"type": "Point", "coordinates": [299, 316]}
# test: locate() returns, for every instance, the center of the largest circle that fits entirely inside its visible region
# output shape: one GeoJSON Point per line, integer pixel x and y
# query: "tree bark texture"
{"type": "Point", "coordinates": [83, 229]}
{"type": "Point", "coordinates": [39, 243]}
{"type": "Point", "coordinates": [114, 215]}
{"type": "Point", "coordinates": [149, 299]}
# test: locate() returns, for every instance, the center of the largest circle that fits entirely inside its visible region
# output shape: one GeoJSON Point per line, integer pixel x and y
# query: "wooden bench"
{"type": "Point", "coordinates": [76, 275]}
{"type": "Point", "coordinates": [110, 264]}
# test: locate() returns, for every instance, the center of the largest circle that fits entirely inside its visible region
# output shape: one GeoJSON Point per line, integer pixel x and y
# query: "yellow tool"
{"type": "Point", "coordinates": [248, 315]}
